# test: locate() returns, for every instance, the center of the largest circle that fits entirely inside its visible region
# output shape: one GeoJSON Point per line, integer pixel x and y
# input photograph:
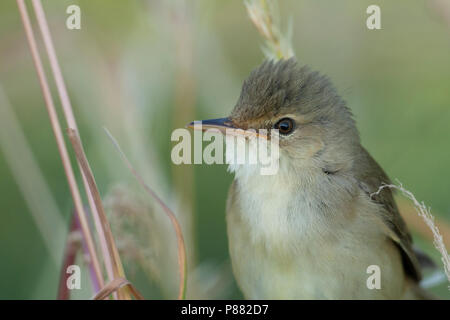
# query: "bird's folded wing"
{"type": "Point", "coordinates": [371, 177]}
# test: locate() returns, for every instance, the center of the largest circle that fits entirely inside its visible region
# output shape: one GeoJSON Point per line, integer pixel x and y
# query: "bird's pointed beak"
{"type": "Point", "coordinates": [224, 125]}
{"type": "Point", "coordinates": [221, 124]}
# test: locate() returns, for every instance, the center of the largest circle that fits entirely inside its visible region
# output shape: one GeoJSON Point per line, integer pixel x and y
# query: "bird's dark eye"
{"type": "Point", "coordinates": [285, 126]}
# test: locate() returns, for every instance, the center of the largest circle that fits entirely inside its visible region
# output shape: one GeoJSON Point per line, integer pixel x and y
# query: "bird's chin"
{"type": "Point", "coordinates": [241, 166]}
{"type": "Point", "coordinates": [244, 159]}
{"type": "Point", "coordinates": [244, 170]}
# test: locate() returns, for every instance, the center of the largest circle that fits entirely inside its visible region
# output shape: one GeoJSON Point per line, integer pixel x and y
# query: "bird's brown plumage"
{"type": "Point", "coordinates": [322, 205]}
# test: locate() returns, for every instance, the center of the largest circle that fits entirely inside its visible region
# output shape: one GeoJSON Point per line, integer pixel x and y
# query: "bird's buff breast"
{"type": "Point", "coordinates": [282, 248]}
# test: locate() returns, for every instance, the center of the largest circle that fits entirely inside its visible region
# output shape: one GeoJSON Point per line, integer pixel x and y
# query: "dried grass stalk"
{"type": "Point", "coordinates": [60, 140]}
{"type": "Point", "coordinates": [115, 285]}
{"type": "Point", "coordinates": [71, 123]}
{"type": "Point", "coordinates": [261, 13]}
{"type": "Point", "coordinates": [424, 212]}
{"type": "Point", "coordinates": [84, 164]}
{"type": "Point", "coordinates": [408, 211]}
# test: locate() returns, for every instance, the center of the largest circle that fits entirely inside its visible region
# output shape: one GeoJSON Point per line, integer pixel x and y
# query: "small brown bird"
{"type": "Point", "coordinates": [312, 230]}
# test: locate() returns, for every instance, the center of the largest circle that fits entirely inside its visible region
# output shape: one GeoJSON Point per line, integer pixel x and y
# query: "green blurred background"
{"type": "Point", "coordinates": [143, 68]}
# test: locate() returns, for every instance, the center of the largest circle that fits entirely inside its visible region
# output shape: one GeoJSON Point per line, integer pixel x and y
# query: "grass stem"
{"type": "Point", "coordinates": [60, 139]}
{"type": "Point", "coordinates": [182, 263]}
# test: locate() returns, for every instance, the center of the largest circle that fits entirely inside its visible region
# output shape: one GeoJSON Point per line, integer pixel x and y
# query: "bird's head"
{"type": "Point", "coordinates": [315, 126]}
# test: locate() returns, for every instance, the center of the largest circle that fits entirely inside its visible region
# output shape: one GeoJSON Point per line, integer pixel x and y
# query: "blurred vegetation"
{"type": "Point", "coordinates": [143, 68]}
